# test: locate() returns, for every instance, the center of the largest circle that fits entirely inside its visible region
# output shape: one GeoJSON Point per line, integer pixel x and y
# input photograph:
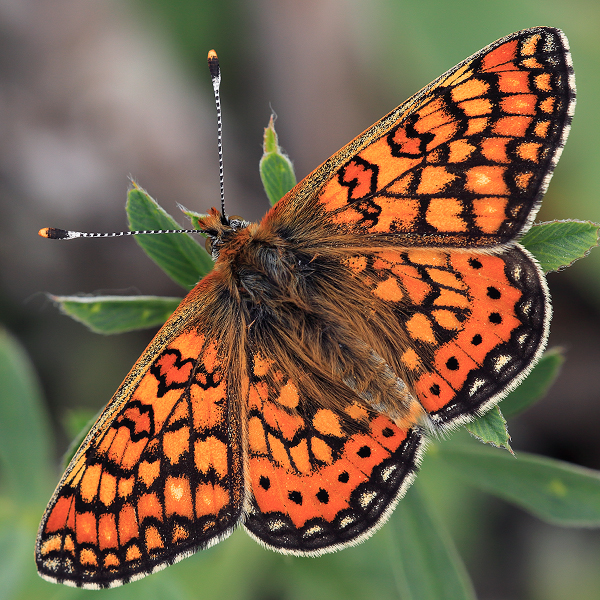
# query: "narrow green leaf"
{"type": "Point", "coordinates": [276, 169]}
{"type": "Point", "coordinates": [424, 559]}
{"type": "Point", "coordinates": [193, 216]}
{"type": "Point", "coordinates": [558, 244]}
{"type": "Point", "coordinates": [24, 434]}
{"type": "Point", "coordinates": [553, 490]}
{"type": "Point", "coordinates": [491, 429]}
{"type": "Point", "coordinates": [16, 549]}
{"type": "Point", "coordinates": [536, 385]}
{"type": "Point", "coordinates": [117, 314]}
{"type": "Point", "coordinates": [178, 254]}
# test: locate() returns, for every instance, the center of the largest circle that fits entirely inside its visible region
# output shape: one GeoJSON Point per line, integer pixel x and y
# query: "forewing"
{"type": "Point", "coordinates": [470, 324]}
{"type": "Point", "coordinates": [321, 478]}
{"type": "Point", "coordinates": [160, 475]}
{"type": "Point", "coordinates": [462, 163]}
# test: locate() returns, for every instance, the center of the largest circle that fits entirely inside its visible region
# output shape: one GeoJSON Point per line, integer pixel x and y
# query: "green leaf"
{"type": "Point", "coordinates": [16, 550]}
{"type": "Point", "coordinates": [424, 559]}
{"type": "Point", "coordinates": [536, 385]}
{"type": "Point", "coordinates": [554, 491]}
{"type": "Point", "coordinates": [178, 254]}
{"type": "Point", "coordinates": [193, 217]}
{"type": "Point", "coordinates": [558, 244]}
{"type": "Point", "coordinates": [276, 169]}
{"type": "Point", "coordinates": [491, 429]}
{"type": "Point", "coordinates": [117, 314]}
{"type": "Point", "coordinates": [25, 446]}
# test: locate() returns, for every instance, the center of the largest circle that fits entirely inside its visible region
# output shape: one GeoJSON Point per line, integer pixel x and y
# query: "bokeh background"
{"type": "Point", "coordinates": [93, 92]}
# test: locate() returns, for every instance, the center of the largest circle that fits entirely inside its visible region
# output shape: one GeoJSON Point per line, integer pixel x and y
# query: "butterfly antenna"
{"type": "Point", "coordinates": [215, 74]}
{"type": "Point", "coordinates": [62, 234]}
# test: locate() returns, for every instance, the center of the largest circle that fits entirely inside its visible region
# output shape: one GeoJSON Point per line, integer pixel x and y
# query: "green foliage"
{"type": "Point", "coordinates": [24, 425]}
{"type": "Point", "coordinates": [276, 169]}
{"type": "Point", "coordinates": [555, 491]}
{"type": "Point", "coordinates": [559, 244]}
{"type": "Point", "coordinates": [178, 254]}
{"type": "Point", "coordinates": [117, 314]}
{"type": "Point", "coordinates": [491, 429]}
{"type": "Point", "coordinates": [427, 564]}
{"type": "Point", "coordinates": [25, 469]}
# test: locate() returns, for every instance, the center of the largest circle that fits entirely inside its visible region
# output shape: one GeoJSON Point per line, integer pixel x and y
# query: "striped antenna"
{"type": "Point", "coordinates": [215, 74]}
{"type": "Point", "coordinates": [62, 234]}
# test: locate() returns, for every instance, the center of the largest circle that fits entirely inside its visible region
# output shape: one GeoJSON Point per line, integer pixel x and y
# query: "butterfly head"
{"type": "Point", "coordinates": [220, 229]}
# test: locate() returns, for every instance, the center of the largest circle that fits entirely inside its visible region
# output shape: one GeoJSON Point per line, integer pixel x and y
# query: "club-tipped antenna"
{"type": "Point", "coordinates": [52, 233]}
{"type": "Point", "coordinates": [63, 234]}
{"type": "Point", "coordinates": [215, 74]}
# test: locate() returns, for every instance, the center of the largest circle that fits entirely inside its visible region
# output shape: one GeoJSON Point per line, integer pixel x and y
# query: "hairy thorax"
{"type": "Point", "coordinates": [298, 304]}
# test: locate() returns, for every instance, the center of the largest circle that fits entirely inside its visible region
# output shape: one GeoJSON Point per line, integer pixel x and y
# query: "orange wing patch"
{"type": "Point", "coordinates": [472, 134]}
{"type": "Point", "coordinates": [320, 479]}
{"type": "Point", "coordinates": [162, 478]}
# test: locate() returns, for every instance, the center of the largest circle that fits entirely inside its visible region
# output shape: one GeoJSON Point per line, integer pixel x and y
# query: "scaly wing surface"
{"type": "Point", "coordinates": [160, 475]}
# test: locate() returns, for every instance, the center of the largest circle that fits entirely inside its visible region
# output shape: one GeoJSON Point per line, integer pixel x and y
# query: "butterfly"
{"type": "Point", "coordinates": [384, 298]}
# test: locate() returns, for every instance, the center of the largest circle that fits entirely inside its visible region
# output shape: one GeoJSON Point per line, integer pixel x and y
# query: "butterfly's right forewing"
{"type": "Point", "coordinates": [464, 162]}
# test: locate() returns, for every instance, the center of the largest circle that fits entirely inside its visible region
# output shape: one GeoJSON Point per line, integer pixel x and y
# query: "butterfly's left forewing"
{"type": "Point", "coordinates": [161, 473]}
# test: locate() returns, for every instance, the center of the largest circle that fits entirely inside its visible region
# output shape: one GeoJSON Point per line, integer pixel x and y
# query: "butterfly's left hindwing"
{"type": "Point", "coordinates": [161, 473]}
{"type": "Point", "coordinates": [476, 322]}
{"type": "Point", "coordinates": [321, 478]}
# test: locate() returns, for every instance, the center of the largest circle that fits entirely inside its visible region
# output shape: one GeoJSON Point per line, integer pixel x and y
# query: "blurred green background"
{"type": "Point", "coordinates": [91, 92]}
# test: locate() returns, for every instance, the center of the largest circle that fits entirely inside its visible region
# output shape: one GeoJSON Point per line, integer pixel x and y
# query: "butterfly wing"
{"type": "Point", "coordinates": [321, 477]}
{"type": "Point", "coordinates": [461, 167]}
{"type": "Point", "coordinates": [462, 163]}
{"type": "Point", "coordinates": [472, 323]}
{"type": "Point", "coordinates": [160, 475]}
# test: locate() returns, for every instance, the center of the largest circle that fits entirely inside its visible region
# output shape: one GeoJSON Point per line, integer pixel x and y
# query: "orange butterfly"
{"type": "Point", "coordinates": [382, 297]}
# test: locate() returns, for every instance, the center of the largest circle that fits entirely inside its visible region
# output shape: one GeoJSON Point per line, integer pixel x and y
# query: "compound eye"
{"type": "Point", "coordinates": [236, 222]}
{"type": "Point", "coordinates": [208, 245]}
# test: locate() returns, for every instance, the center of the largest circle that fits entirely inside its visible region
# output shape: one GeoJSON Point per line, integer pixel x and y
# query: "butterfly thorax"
{"type": "Point", "coordinates": [259, 266]}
